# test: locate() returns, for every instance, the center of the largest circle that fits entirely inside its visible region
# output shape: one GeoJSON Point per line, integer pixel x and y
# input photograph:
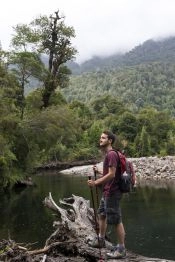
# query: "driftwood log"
{"type": "Point", "coordinates": [69, 242]}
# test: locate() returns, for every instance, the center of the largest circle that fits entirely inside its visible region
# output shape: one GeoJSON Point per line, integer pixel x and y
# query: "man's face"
{"type": "Point", "coordinates": [104, 141]}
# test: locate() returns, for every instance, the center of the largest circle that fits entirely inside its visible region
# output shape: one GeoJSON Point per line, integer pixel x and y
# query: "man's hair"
{"type": "Point", "coordinates": [110, 135]}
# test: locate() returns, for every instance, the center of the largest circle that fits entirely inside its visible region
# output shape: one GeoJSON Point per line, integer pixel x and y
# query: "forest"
{"type": "Point", "coordinates": [62, 117]}
{"type": "Point", "coordinates": [136, 86]}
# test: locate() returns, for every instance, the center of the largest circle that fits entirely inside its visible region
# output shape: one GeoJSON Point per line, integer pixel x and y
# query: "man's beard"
{"type": "Point", "coordinates": [103, 147]}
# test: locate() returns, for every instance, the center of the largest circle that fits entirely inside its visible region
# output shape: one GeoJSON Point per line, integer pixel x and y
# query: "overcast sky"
{"type": "Point", "coordinates": [102, 27]}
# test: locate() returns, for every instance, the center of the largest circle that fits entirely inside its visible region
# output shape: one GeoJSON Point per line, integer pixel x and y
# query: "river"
{"type": "Point", "coordinates": [148, 214]}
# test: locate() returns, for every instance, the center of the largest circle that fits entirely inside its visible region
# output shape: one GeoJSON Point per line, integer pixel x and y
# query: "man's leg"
{"type": "Point", "coordinates": [114, 217]}
{"type": "Point", "coordinates": [120, 234]}
{"type": "Point", "coordinates": [119, 251]}
{"type": "Point", "coordinates": [99, 240]}
{"type": "Point", "coordinates": [102, 226]}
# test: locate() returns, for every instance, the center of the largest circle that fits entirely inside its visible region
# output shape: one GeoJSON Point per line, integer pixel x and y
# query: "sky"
{"type": "Point", "coordinates": [102, 27]}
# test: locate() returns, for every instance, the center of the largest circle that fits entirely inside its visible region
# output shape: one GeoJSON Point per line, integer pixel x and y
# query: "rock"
{"type": "Point", "coordinates": [147, 168]}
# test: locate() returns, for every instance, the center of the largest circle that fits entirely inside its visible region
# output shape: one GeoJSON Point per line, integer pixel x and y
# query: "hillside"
{"type": "Point", "coordinates": [150, 51]}
{"type": "Point", "coordinates": [142, 85]}
{"type": "Point", "coordinates": [142, 77]}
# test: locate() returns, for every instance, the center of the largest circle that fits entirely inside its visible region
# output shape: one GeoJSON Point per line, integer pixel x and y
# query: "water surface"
{"type": "Point", "coordinates": [148, 214]}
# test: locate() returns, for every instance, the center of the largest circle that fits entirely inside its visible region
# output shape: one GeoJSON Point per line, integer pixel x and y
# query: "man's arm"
{"type": "Point", "coordinates": [102, 180]}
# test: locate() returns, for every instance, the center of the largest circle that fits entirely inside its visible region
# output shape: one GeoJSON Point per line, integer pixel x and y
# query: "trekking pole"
{"type": "Point", "coordinates": [96, 223]}
{"type": "Point", "coordinates": [96, 189]}
{"type": "Point", "coordinates": [93, 206]}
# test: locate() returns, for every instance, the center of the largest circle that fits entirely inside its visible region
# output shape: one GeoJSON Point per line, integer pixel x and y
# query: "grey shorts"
{"type": "Point", "coordinates": [109, 207]}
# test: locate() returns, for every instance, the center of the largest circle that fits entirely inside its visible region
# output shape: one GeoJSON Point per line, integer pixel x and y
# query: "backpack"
{"type": "Point", "coordinates": [127, 175]}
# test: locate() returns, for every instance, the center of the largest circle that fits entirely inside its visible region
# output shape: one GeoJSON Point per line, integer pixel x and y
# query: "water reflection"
{"type": "Point", "coordinates": [149, 217]}
{"type": "Point", "coordinates": [148, 214]}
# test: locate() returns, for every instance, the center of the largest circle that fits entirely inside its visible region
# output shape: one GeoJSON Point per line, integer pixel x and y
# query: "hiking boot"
{"type": "Point", "coordinates": [97, 242]}
{"type": "Point", "coordinates": [117, 253]}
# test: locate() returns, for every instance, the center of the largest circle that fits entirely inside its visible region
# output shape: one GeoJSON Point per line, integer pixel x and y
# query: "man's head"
{"type": "Point", "coordinates": [107, 139]}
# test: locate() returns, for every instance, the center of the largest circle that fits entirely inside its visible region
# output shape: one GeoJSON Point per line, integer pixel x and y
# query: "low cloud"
{"type": "Point", "coordinates": [102, 27]}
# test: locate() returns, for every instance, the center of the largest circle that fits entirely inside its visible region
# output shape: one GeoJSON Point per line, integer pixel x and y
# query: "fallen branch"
{"type": "Point", "coordinates": [47, 248]}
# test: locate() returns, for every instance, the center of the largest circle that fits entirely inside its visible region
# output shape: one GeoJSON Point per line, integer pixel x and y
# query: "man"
{"type": "Point", "coordinates": [109, 210]}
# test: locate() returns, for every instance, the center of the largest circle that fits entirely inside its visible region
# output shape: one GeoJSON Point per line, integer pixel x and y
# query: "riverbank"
{"type": "Point", "coordinates": [155, 169]}
{"type": "Point", "coordinates": [146, 169]}
{"type": "Point", "coordinates": [57, 165]}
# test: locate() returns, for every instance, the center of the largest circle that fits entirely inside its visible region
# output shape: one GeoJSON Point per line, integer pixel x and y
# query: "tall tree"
{"type": "Point", "coordinates": [49, 36]}
{"type": "Point", "coordinates": [55, 41]}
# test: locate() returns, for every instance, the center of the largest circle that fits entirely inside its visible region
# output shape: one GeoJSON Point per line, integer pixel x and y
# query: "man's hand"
{"type": "Point", "coordinates": [91, 183]}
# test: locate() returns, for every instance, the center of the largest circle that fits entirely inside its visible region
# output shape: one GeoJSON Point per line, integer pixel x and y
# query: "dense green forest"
{"type": "Point", "coordinates": [62, 120]}
{"type": "Point", "coordinates": [151, 84]}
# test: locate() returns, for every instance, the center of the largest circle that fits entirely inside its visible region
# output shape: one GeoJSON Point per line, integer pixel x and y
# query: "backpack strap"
{"type": "Point", "coordinates": [119, 162]}
{"type": "Point", "coordinates": [118, 170]}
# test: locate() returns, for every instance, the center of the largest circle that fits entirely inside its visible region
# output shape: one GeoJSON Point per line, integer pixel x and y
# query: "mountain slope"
{"type": "Point", "coordinates": [149, 51]}
{"type": "Point", "coordinates": [141, 85]}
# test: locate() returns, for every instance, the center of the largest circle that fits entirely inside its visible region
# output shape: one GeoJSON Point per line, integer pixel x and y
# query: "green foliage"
{"type": "Point", "coordinates": [105, 105]}
{"type": "Point", "coordinates": [127, 126]}
{"type": "Point", "coordinates": [136, 86]}
{"type": "Point", "coordinates": [9, 116]}
{"type": "Point", "coordinates": [83, 112]}
{"type": "Point", "coordinates": [143, 143]}
{"type": "Point", "coordinates": [7, 162]}
{"type": "Point", "coordinates": [47, 132]}
{"type": "Point", "coordinates": [44, 35]}
{"type": "Point", "coordinates": [23, 37]}
{"type": "Point", "coordinates": [34, 102]}
{"type": "Point", "coordinates": [59, 152]}
{"type": "Point", "coordinates": [57, 99]}
{"type": "Point", "coordinates": [54, 41]}
{"type": "Point", "coordinates": [170, 143]}
{"type": "Point", "coordinates": [25, 65]}
{"type": "Point", "coordinates": [94, 133]}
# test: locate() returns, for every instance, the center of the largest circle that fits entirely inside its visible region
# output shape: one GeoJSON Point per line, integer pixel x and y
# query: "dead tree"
{"type": "Point", "coordinates": [74, 228]}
